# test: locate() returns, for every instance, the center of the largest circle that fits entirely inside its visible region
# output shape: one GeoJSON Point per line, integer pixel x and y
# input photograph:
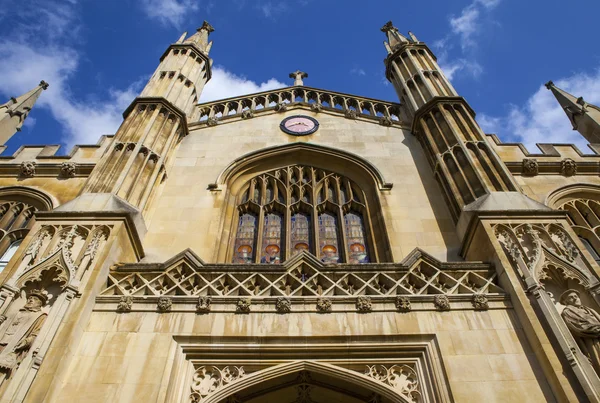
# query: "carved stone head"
{"type": "Point", "coordinates": [570, 297]}
{"type": "Point", "coordinates": [36, 300]}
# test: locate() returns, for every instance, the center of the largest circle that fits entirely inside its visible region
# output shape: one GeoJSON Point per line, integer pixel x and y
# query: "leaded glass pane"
{"type": "Point", "coordinates": [271, 240]}
{"type": "Point", "coordinates": [355, 235]}
{"type": "Point", "coordinates": [328, 238]}
{"type": "Point", "coordinates": [245, 241]}
{"type": "Point", "coordinates": [300, 233]}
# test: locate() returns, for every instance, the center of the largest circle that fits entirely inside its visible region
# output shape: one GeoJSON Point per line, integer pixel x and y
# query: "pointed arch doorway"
{"type": "Point", "coordinates": [305, 382]}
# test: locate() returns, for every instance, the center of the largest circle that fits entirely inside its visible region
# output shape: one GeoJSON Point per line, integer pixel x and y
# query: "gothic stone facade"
{"type": "Point", "coordinates": [300, 245]}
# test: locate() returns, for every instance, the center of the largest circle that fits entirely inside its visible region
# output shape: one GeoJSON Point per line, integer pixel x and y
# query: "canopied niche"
{"type": "Point", "coordinates": [328, 191]}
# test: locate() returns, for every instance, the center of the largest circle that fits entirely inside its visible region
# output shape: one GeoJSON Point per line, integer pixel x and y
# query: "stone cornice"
{"type": "Point", "coordinates": [164, 102]}
{"type": "Point", "coordinates": [432, 103]}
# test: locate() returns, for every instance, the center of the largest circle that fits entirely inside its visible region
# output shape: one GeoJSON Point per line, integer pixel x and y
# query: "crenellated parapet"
{"type": "Point", "coordinates": [552, 158]}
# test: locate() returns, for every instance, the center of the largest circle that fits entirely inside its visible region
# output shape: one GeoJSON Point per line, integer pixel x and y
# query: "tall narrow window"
{"type": "Point", "coordinates": [245, 241]}
{"type": "Point", "coordinates": [328, 238]}
{"type": "Point", "coordinates": [271, 239]}
{"type": "Point", "coordinates": [296, 208]}
{"type": "Point", "coordinates": [10, 252]}
{"type": "Point", "coordinates": [300, 233]}
{"type": "Point", "coordinates": [355, 236]}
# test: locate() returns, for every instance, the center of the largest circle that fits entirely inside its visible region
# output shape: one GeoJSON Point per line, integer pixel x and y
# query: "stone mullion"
{"type": "Point", "coordinates": [443, 171]}
{"type": "Point", "coordinates": [402, 80]}
{"type": "Point", "coordinates": [420, 74]}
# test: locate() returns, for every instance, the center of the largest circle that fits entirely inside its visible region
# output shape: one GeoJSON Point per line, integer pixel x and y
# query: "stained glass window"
{"type": "Point", "coordinates": [245, 241]}
{"type": "Point", "coordinates": [355, 236]}
{"type": "Point", "coordinates": [328, 238]}
{"type": "Point", "coordinates": [271, 239]}
{"type": "Point", "coordinates": [300, 233]}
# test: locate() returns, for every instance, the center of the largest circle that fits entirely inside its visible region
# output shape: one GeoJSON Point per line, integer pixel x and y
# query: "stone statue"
{"type": "Point", "coordinates": [18, 333]}
{"type": "Point", "coordinates": [584, 323]}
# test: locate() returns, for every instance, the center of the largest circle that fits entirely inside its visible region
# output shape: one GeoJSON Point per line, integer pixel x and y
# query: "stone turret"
{"type": "Point", "coordinates": [455, 145]}
{"type": "Point", "coordinates": [584, 117]}
{"type": "Point", "coordinates": [14, 112]}
{"type": "Point", "coordinates": [155, 122]}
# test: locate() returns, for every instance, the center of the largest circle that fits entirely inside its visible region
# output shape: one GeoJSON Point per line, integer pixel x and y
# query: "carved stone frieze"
{"type": "Point", "coordinates": [350, 114]}
{"type": "Point", "coordinates": [530, 166]}
{"type": "Point", "coordinates": [386, 121]}
{"type": "Point", "coordinates": [247, 115]}
{"type": "Point", "coordinates": [324, 305]}
{"type": "Point", "coordinates": [243, 305]}
{"type": "Point", "coordinates": [316, 107]}
{"type": "Point", "coordinates": [401, 378]}
{"type": "Point", "coordinates": [207, 379]}
{"type": "Point", "coordinates": [364, 304]}
{"type": "Point", "coordinates": [28, 168]}
{"type": "Point", "coordinates": [441, 302]}
{"type": "Point", "coordinates": [281, 107]}
{"type": "Point", "coordinates": [480, 302]}
{"type": "Point", "coordinates": [283, 305]}
{"type": "Point", "coordinates": [212, 121]}
{"type": "Point", "coordinates": [203, 305]}
{"type": "Point", "coordinates": [403, 304]}
{"type": "Point", "coordinates": [68, 169]}
{"type": "Point", "coordinates": [164, 304]}
{"type": "Point", "coordinates": [125, 304]}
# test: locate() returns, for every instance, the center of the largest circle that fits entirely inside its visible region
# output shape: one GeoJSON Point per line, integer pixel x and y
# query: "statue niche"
{"type": "Point", "coordinates": [18, 332]}
{"type": "Point", "coordinates": [584, 324]}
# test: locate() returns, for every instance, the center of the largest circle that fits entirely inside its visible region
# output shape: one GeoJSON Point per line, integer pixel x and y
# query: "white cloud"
{"type": "Point", "coordinates": [541, 119]}
{"type": "Point", "coordinates": [358, 71]}
{"type": "Point", "coordinates": [464, 28]}
{"type": "Point", "coordinates": [271, 10]}
{"type": "Point", "coordinates": [169, 12]}
{"type": "Point", "coordinates": [21, 69]}
{"type": "Point", "coordinates": [225, 84]}
{"type": "Point", "coordinates": [45, 49]}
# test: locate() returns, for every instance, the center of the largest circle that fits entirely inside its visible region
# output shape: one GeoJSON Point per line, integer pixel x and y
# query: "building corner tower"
{"type": "Point", "coordinates": [444, 123]}
{"type": "Point", "coordinates": [155, 122]}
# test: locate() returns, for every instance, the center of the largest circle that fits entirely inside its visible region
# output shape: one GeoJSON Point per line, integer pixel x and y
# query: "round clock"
{"type": "Point", "coordinates": [299, 125]}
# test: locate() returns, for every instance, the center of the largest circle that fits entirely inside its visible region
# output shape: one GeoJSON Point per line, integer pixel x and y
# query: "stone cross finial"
{"type": "Point", "coordinates": [206, 26]}
{"type": "Point", "coordinates": [298, 76]}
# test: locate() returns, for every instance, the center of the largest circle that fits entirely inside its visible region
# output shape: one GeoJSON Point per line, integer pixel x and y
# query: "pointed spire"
{"type": "Point", "coordinates": [200, 38]}
{"type": "Point", "coordinates": [584, 117]}
{"type": "Point", "coordinates": [14, 112]}
{"type": "Point", "coordinates": [394, 37]}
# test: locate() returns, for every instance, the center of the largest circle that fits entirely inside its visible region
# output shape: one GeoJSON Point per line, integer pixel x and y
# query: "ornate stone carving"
{"type": "Point", "coordinates": [350, 114]}
{"type": "Point", "coordinates": [324, 305]}
{"type": "Point", "coordinates": [530, 166]}
{"type": "Point", "coordinates": [568, 248]}
{"type": "Point", "coordinates": [28, 168]}
{"type": "Point", "coordinates": [164, 304]}
{"type": "Point", "coordinates": [441, 302]}
{"type": "Point", "coordinates": [363, 303]}
{"type": "Point", "coordinates": [212, 121]}
{"type": "Point", "coordinates": [67, 169]}
{"type": "Point", "coordinates": [480, 302]}
{"type": "Point", "coordinates": [247, 115]}
{"type": "Point", "coordinates": [386, 121]}
{"type": "Point", "coordinates": [316, 107]}
{"type": "Point", "coordinates": [208, 379]}
{"type": "Point", "coordinates": [584, 324]}
{"type": "Point", "coordinates": [19, 332]}
{"type": "Point", "coordinates": [510, 246]}
{"type": "Point", "coordinates": [34, 248]}
{"type": "Point", "coordinates": [281, 107]}
{"type": "Point", "coordinates": [568, 167]}
{"type": "Point", "coordinates": [403, 304]}
{"type": "Point", "coordinates": [283, 305]}
{"type": "Point", "coordinates": [401, 378]}
{"type": "Point", "coordinates": [203, 304]}
{"type": "Point", "coordinates": [243, 305]}
{"type": "Point", "coordinates": [125, 304]}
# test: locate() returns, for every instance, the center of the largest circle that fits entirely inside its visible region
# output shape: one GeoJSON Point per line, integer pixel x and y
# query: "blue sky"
{"type": "Point", "coordinates": [97, 55]}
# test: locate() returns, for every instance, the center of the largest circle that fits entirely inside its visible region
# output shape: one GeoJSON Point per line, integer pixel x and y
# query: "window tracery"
{"type": "Point", "coordinates": [295, 208]}
{"type": "Point", "coordinates": [584, 217]}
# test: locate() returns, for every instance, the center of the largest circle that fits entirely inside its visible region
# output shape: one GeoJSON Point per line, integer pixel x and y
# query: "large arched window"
{"type": "Point", "coordinates": [295, 208]}
{"type": "Point", "coordinates": [584, 217]}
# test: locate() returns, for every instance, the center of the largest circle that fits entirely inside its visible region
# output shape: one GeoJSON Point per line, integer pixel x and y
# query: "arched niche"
{"type": "Point", "coordinates": [234, 179]}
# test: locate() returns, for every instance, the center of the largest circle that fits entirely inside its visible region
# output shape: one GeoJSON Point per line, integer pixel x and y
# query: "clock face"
{"type": "Point", "coordinates": [299, 125]}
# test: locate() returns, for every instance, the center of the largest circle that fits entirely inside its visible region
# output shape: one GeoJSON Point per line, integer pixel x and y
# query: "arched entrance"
{"type": "Point", "coordinates": [310, 382]}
